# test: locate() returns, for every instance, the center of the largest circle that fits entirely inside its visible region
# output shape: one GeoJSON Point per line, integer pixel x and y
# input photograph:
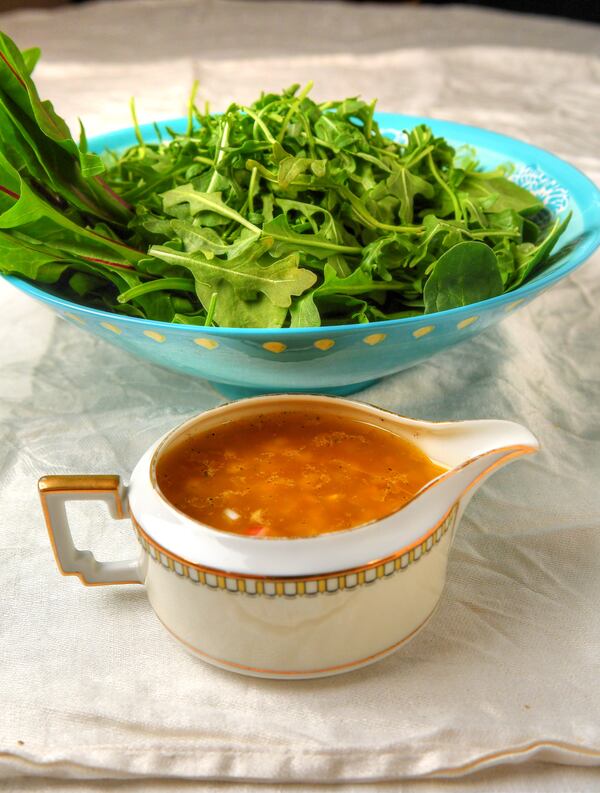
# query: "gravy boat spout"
{"type": "Point", "coordinates": [472, 451]}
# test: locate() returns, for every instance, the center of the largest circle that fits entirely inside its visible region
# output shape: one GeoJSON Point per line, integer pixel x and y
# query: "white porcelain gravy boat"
{"type": "Point", "coordinates": [291, 608]}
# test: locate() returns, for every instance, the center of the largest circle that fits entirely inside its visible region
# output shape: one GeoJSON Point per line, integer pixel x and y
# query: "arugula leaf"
{"type": "Point", "coordinates": [397, 194]}
{"type": "Point", "coordinates": [304, 313]}
{"type": "Point", "coordinates": [242, 279]}
{"type": "Point", "coordinates": [198, 202]}
{"type": "Point", "coordinates": [286, 212]}
{"type": "Point", "coordinates": [198, 238]}
{"type": "Point", "coordinates": [317, 244]}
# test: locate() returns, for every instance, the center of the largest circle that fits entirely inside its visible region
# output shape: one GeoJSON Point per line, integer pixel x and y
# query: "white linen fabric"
{"type": "Point", "coordinates": [91, 687]}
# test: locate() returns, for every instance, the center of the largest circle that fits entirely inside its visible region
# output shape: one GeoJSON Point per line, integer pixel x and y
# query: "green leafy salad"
{"type": "Point", "coordinates": [285, 213]}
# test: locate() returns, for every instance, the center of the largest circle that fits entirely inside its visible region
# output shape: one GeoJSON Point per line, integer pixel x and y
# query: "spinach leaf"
{"type": "Point", "coordinates": [529, 256]}
{"type": "Point", "coordinates": [465, 274]}
{"type": "Point", "coordinates": [498, 193]}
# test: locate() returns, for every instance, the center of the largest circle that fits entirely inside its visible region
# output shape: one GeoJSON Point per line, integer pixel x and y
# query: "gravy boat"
{"type": "Point", "coordinates": [291, 607]}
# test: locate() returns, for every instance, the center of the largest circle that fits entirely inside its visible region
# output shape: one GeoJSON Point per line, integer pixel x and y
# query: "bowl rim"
{"type": "Point", "coordinates": [590, 201]}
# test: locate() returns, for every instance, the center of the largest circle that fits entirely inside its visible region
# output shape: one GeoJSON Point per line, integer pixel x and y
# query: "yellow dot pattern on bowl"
{"type": "Point", "coordinates": [419, 332]}
{"type": "Point", "coordinates": [464, 323]}
{"type": "Point", "coordinates": [324, 344]}
{"type": "Point", "coordinates": [112, 328]}
{"type": "Point", "coordinates": [274, 346]}
{"type": "Point", "coordinates": [208, 344]}
{"type": "Point", "coordinates": [374, 338]}
{"type": "Point", "coordinates": [152, 334]}
{"type": "Point", "coordinates": [512, 306]}
{"type": "Point", "coordinates": [75, 317]}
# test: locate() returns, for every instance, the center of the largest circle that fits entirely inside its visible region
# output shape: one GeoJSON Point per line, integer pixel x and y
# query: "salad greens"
{"type": "Point", "coordinates": [287, 212]}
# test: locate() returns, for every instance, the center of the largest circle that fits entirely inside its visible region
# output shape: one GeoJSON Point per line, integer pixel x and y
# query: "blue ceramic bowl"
{"type": "Point", "coordinates": [344, 359]}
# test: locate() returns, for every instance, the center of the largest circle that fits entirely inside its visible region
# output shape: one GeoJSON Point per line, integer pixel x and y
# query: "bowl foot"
{"type": "Point", "coordinates": [239, 392]}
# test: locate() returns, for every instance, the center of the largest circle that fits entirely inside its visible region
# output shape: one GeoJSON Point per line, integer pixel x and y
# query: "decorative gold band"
{"type": "Point", "coordinates": [82, 483]}
{"type": "Point", "coordinates": [304, 586]}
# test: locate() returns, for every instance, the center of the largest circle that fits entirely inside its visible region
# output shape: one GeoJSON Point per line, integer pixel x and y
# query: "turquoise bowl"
{"type": "Point", "coordinates": [343, 359]}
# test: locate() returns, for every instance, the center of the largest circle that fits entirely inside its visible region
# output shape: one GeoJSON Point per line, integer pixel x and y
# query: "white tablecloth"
{"type": "Point", "coordinates": [507, 673]}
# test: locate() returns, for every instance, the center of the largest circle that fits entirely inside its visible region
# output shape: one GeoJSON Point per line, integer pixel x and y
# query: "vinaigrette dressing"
{"type": "Point", "coordinates": [292, 474]}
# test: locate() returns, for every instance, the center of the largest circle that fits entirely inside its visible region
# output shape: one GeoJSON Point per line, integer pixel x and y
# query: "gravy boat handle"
{"type": "Point", "coordinates": [55, 491]}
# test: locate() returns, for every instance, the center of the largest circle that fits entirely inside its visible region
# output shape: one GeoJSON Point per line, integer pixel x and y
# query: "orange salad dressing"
{"type": "Point", "coordinates": [292, 474]}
